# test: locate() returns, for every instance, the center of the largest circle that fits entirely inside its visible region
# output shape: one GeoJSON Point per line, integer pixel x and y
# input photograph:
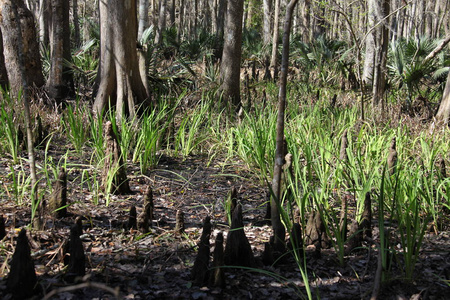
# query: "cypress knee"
{"type": "Point", "coordinates": [58, 198]}
{"type": "Point", "coordinates": [238, 251]}
{"type": "Point", "coordinates": [392, 157]}
{"type": "Point", "coordinates": [114, 177]}
{"type": "Point", "coordinates": [77, 258]}
{"type": "Point", "coordinates": [217, 275]}
{"type": "Point", "coordinates": [199, 273]}
{"type": "Point", "coordinates": [22, 280]}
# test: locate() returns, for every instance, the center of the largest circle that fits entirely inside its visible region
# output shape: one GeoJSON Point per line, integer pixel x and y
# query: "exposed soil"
{"type": "Point", "coordinates": [158, 265]}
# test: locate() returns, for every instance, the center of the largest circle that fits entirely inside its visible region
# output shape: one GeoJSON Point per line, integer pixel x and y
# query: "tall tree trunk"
{"type": "Point", "coordinates": [443, 17]}
{"type": "Point", "coordinates": [43, 19]}
{"type": "Point", "coordinates": [221, 10]}
{"type": "Point", "coordinates": [30, 47]}
{"type": "Point", "coordinates": [274, 56]}
{"type": "Point", "coordinates": [14, 15]}
{"type": "Point", "coordinates": [143, 17]}
{"type": "Point", "coordinates": [206, 16]}
{"type": "Point", "coordinates": [120, 81]}
{"type": "Point", "coordinates": [172, 13]}
{"type": "Point", "coordinates": [381, 51]}
{"type": "Point", "coordinates": [181, 19]}
{"type": "Point", "coordinates": [319, 19]}
{"type": "Point", "coordinates": [161, 21]}
{"type": "Point", "coordinates": [369, 58]}
{"type": "Point", "coordinates": [278, 227]}
{"type": "Point", "coordinates": [220, 28]}
{"type": "Point", "coordinates": [232, 50]}
{"type": "Point", "coordinates": [267, 21]}
{"type": "Point", "coordinates": [60, 79]}
{"type": "Point", "coordinates": [214, 9]}
{"type": "Point", "coordinates": [306, 16]}
{"type": "Point", "coordinates": [411, 20]}
{"type": "Point", "coordinates": [429, 20]}
{"type": "Point", "coordinates": [250, 13]}
{"type": "Point", "coordinates": [194, 20]}
{"type": "Point", "coordinates": [76, 24]}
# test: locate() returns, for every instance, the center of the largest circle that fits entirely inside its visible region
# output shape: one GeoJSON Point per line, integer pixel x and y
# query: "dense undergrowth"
{"type": "Point", "coordinates": [408, 200]}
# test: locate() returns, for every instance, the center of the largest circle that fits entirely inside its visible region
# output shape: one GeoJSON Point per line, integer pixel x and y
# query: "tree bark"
{"type": "Point", "coordinates": [277, 225]}
{"type": "Point", "coordinates": [181, 18]}
{"type": "Point", "coordinates": [274, 57]}
{"type": "Point", "coordinates": [161, 21]}
{"type": "Point", "coordinates": [43, 19]}
{"type": "Point", "coordinates": [267, 21]}
{"type": "Point", "coordinates": [220, 27]}
{"type": "Point", "coordinates": [381, 51]}
{"type": "Point", "coordinates": [231, 56]}
{"type": "Point", "coordinates": [369, 58]}
{"type": "Point", "coordinates": [76, 24]}
{"type": "Point", "coordinates": [30, 48]}
{"type": "Point", "coordinates": [306, 14]}
{"type": "Point", "coordinates": [60, 79]}
{"type": "Point", "coordinates": [143, 17]}
{"type": "Point", "coordinates": [120, 82]}
{"type": "Point", "coordinates": [3, 73]}
{"type": "Point", "coordinates": [172, 13]}
{"type": "Point", "coordinates": [443, 114]}
{"type": "Point", "coordinates": [14, 15]}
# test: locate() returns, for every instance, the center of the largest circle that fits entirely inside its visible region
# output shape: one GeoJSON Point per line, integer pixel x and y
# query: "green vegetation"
{"type": "Point", "coordinates": [414, 196]}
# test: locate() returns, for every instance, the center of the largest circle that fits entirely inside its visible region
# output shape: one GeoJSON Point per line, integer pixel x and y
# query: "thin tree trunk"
{"type": "Point", "coordinates": [143, 17]}
{"type": "Point", "coordinates": [267, 21]}
{"type": "Point", "coordinates": [274, 56]}
{"type": "Point", "coordinates": [161, 21]}
{"type": "Point", "coordinates": [429, 20]}
{"type": "Point", "coordinates": [277, 225]}
{"type": "Point", "coordinates": [306, 16]}
{"type": "Point", "coordinates": [43, 17]}
{"type": "Point", "coordinates": [194, 19]}
{"type": "Point", "coordinates": [76, 24]}
{"type": "Point", "coordinates": [369, 58]}
{"type": "Point", "coordinates": [250, 12]}
{"type": "Point", "coordinates": [442, 15]}
{"type": "Point", "coordinates": [172, 13]}
{"type": "Point", "coordinates": [181, 19]}
{"type": "Point", "coordinates": [412, 20]}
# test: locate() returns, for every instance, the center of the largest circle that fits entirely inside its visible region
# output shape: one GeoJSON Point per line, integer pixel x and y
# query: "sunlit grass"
{"type": "Point", "coordinates": [416, 195]}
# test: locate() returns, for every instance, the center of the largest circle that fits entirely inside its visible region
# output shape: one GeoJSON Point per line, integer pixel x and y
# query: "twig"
{"type": "Point", "coordinates": [115, 292]}
{"type": "Point", "coordinates": [44, 251]}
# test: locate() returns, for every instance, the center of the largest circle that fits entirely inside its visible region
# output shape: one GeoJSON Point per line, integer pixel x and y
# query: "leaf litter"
{"type": "Point", "coordinates": [157, 265]}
